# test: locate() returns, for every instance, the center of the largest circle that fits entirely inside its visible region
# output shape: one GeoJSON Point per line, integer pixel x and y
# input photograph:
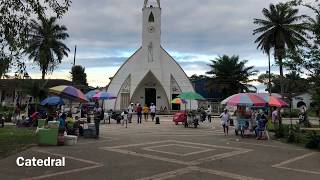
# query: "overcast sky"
{"type": "Point", "coordinates": [194, 32]}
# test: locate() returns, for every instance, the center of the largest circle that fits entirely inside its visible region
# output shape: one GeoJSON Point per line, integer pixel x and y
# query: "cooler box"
{"type": "Point", "coordinates": [70, 140]}
{"type": "Point", "coordinates": [47, 136]}
{"type": "Point", "coordinates": [53, 124]}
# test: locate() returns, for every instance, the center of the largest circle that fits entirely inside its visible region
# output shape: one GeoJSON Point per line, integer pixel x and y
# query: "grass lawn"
{"type": "Point", "coordinates": [14, 140]}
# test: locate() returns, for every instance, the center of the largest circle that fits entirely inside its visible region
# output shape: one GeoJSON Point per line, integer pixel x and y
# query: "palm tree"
{"type": "Point", "coordinates": [45, 43]}
{"type": "Point", "coordinates": [281, 29]}
{"type": "Point", "coordinates": [230, 75]}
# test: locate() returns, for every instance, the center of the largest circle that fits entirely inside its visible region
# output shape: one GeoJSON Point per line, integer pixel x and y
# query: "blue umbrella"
{"type": "Point", "coordinates": [52, 101]}
{"type": "Point", "coordinates": [91, 93]}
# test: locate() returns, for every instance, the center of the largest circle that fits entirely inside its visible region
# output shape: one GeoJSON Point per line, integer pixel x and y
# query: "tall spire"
{"type": "Point", "coordinates": [146, 3]}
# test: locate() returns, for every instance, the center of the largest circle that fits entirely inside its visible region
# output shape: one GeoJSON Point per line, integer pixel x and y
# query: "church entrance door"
{"type": "Point", "coordinates": [150, 96]}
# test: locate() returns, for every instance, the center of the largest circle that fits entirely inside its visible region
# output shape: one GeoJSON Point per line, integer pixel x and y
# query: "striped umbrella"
{"type": "Point", "coordinates": [68, 92]}
{"type": "Point", "coordinates": [244, 99]}
{"type": "Point", "coordinates": [103, 96]}
{"type": "Point", "coordinates": [91, 93]}
{"type": "Point", "coordinates": [178, 101]}
{"type": "Point", "coordinates": [273, 101]}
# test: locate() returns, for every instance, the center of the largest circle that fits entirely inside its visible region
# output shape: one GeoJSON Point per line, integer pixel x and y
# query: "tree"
{"type": "Point", "coordinates": [292, 82]}
{"type": "Point", "coordinates": [15, 20]}
{"type": "Point", "coordinates": [79, 76]}
{"type": "Point", "coordinates": [280, 30]}
{"type": "Point", "coordinates": [37, 89]}
{"type": "Point", "coordinates": [230, 75]}
{"type": "Point", "coordinates": [5, 64]}
{"type": "Point", "coordinates": [195, 77]}
{"type": "Point", "coordinates": [45, 43]}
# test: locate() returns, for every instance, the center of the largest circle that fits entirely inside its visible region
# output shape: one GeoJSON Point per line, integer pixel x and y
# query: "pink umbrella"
{"type": "Point", "coordinates": [103, 96]}
{"type": "Point", "coordinates": [244, 99]}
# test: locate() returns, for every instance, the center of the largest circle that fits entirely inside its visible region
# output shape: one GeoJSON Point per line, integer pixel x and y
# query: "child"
{"type": "Point", "coordinates": [124, 115]}
{"type": "Point", "coordinates": [225, 121]}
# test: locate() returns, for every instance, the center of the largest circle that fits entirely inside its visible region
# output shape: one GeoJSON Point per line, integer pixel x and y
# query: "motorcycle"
{"type": "Point", "coordinates": [192, 119]}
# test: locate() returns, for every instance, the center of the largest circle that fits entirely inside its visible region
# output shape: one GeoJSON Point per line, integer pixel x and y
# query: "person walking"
{"type": "Point", "coordinates": [153, 109]}
{"type": "Point", "coordinates": [130, 112]}
{"type": "Point", "coordinates": [124, 115]}
{"type": "Point", "coordinates": [225, 116]}
{"type": "Point", "coordinates": [139, 113]}
{"type": "Point", "coordinates": [145, 112]}
{"type": "Point", "coordinates": [208, 112]}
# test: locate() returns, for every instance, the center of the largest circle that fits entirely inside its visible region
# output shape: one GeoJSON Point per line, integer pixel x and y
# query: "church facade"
{"type": "Point", "coordinates": [150, 75]}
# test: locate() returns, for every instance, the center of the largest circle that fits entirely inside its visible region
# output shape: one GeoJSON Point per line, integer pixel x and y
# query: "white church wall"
{"type": "Point", "coordinates": [146, 59]}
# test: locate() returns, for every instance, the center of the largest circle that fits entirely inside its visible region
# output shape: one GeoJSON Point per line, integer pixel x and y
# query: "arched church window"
{"type": "Point", "coordinates": [151, 17]}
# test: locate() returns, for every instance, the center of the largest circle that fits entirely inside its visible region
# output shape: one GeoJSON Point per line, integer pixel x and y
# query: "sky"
{"type": "Point", "coordinates": [194, 32]}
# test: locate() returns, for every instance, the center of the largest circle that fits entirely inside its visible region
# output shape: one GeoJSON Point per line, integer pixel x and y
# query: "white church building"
{"type": "Point", "coordinates": [150, 75]}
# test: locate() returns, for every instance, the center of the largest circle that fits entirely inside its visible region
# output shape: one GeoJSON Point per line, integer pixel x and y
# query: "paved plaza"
{"type": "Point", "coordinates": [167, 151]}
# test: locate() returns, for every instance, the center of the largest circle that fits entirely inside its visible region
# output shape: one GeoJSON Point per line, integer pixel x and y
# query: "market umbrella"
{"type": "Point", "coordinates": [68, 92]}
{"type": "Point", "coordinates": [178, 101]}
{"type": "Point", "coordinates": [52, 101]}
{"type": "Point", "coordinates": [91, 93]}
{"type": "Point", "coordinates": [244, 99]}
{"type": "Point", "coordinates": [103, 96]}
{"type": "Point", "coordinates": [190, 96]}
{"type": "Point", "coordinates": [273, 101]}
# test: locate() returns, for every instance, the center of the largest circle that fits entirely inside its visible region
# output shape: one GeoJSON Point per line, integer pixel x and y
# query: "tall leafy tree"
{"type": "Point", "coordinates": [45, 43]}
{"type": "Point", "coordinates": [14, 23]}
{"type": "Point", "coordinates": [281, 29]}
{"type": "Point", "coordinates": [292, 82]}
{"type": "Point", "coordinates": [230, 75]}
{"type": "Point", "coordinates": [79, 76]}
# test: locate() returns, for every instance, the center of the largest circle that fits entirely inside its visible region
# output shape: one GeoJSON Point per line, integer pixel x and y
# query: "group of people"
{"type": "Point", "coordinates": [128, 113]}
{"type": "Point", "coordinates": [255, 120]}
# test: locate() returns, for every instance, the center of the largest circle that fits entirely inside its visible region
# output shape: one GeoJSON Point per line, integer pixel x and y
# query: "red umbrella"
{"type": "Point", "coordinates": [273, 101]}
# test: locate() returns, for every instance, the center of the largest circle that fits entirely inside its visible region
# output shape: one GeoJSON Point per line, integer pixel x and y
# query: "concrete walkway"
{"type": "Point", "coordinates": [167, 151]}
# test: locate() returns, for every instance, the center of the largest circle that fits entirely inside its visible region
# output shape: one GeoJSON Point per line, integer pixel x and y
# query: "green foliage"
{"type": "Point", "coordinates": [294, 135]}
{"type": "Point", "coordinates": [292, 82]}
{"type": "Point", "coordinates": [195, 77]}
{"type": "Point", "coordinates": [45, 43]}
{"type": "Point", "coordinates": [294, 113]}
{"type": "Point", "coordinates": [281, 29]}
{"type": "Point", "coordinates": [79, 76]}
{"type": "Point", "coordinates": [5, 65]}
{"type": "Point", "coordinates": [230, 75]}
{"type": "Point", "coordinates": [313, 140]}
{"type": "Point", "coordinates": [14, 140]}
{"type": "Point", "coordinates": [15, 20]}
{"type": "Point", "coordinates": [37, 89]}
{"type": "Point", "coordinates": [307, 59]}
{"type": "Point", "coordinates": [281, 131]}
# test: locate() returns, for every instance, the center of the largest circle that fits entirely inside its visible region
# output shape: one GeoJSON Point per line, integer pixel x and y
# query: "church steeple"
{"type": "Point", "coordinates": [151, 29]}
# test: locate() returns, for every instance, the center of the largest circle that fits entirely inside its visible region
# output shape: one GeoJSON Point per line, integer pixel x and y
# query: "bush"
{"type": "Point", "coordinates": [294, 113]}
{"type": "Point", "coordinates": [313, 140]}
{"type": "Point", "coordinates": [294, 135]}
{"type": "Point", "coordinates": [281, 131]}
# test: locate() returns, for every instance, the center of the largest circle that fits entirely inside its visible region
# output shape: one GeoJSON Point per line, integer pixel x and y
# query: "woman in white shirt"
{"type": "Point", "coordinates": [225, 116]}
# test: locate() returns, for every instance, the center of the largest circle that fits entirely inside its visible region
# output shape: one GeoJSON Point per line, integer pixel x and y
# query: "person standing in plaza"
{"type": "Point", "coordinates": [208, 112]}
{"type": "Point", "coordinates": [130, 112]}
{"type": "Point", "coordinates": [153, 109]}
{"type": "Point", "coordinates": [145, 112]}
{"type": "Point", "coordinates": [225, 116]}
{"type": "Point", "coordinates": [139, 113]}
{"type": "Point", "coordinates": [97, 116]}
{"type": "Point", "coordinates": [124, 115]}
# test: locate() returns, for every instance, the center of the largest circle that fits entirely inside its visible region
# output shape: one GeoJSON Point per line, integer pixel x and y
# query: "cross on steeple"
{"type": "Point", "coordinates": [146, 3]}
